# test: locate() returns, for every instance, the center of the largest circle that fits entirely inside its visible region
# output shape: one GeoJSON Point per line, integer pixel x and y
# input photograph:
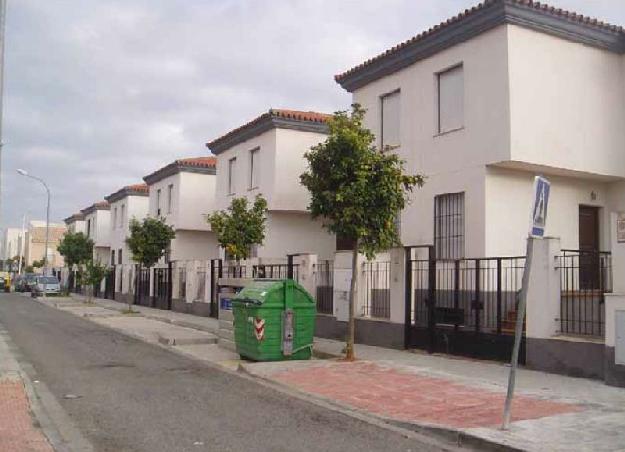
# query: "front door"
{"type": "Point", "coordinates": [589, 247]}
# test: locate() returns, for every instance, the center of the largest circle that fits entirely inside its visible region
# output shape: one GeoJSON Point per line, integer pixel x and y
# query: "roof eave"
{"type": "Point", "coordinates": [475, 23]}
{"type": "Point", "coordinates": [263, 125]}
{"type": "Point", "coordinates": [175, 168]}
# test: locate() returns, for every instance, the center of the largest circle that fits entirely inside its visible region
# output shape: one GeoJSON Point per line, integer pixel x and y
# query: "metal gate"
{"type": "Point", "coordinates": [109, 284]}
{"type": "Point", "coordinates": [462, 306]}
{"type": "Point", "coordinates": [142, 287]}
{"type": "Point", "coordinates": [163, 287]}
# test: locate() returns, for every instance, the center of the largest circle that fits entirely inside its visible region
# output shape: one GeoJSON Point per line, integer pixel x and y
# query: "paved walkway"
{"type": "Point", "coordinates": [550, 412]}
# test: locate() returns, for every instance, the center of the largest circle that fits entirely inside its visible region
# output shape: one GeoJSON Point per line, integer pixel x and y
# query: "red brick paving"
{"type": "Point", "coordinates": [17, 432]}
{"type": "Point", "coordinates": [414, 398]}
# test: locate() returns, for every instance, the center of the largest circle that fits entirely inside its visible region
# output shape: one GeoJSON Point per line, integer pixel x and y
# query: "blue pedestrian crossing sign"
{"type": "Point", "coordinates": [542, 188]}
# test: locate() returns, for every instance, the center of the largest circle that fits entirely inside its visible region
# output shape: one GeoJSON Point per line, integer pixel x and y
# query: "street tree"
{"type": "Point", "coordinates": [76, 249]}
{"type": "Point", "coordinates": [149, 240]}
{"type": "Point", "coordinates": [240, 227]}
{"type": "Point", "coordinates": [92, 277]}
{"type": "Point", "coordinates": [357, 190]}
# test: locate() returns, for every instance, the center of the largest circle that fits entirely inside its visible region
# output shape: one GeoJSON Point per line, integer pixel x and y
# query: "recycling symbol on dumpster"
{"type": "Point", "coordinates": [259, 328]}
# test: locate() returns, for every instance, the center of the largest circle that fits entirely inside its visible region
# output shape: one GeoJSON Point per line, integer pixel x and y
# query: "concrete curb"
{"type": "Point", "coordinates": [462, 438]}
{"type": "Point", "coordinates": [57, 427]}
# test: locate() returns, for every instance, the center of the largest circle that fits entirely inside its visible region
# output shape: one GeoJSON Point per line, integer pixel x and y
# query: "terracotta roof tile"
{"type": "Point", "coordinates": [305, 117]}
{"type": "Point", "coordinates": [138, 187]}
{"type": "Point", "coordinates": [569, 15]}
{"type": "Point", "coordinates": [203, 162]}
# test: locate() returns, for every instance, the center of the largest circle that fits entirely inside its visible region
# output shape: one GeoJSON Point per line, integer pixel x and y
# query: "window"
{"type": "Point", "coordinates": [114, 222]}
{"type": "Point", "coordinates": [88, 228]}
{"type": "Point", "coordinates": [449, 226]}
{"type": "Point", "coordinates": [122, 217]}
{"type": "Point", "coordinates": [170, 195]}
{"type": "Point", "coordinates": [231, 168]}
{"type": "Point", "coordinates": [390, 127]}
{"type": "Point", "coordinates": [450, 99]}
{"type": "Point", "coordinates": [112, 257]}
{"type": "Point", "coordinates": [119, 256]}
{"type": "Point", "coordinates": [254, 153]}
{"type": "Point", "coordinates": [158, 202]}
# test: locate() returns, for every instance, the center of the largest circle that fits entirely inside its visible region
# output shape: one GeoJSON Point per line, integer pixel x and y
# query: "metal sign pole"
{"type": "Point", "coordinates": [518, 333]}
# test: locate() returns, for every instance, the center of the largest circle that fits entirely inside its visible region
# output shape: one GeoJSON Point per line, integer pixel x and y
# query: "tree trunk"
{"type": "Point", "coordinates": [353, 290]}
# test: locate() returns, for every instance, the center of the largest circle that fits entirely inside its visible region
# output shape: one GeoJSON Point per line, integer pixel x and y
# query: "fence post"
{"type": "Point", "coordinates": [407, 296]}
{"type": "Point", "coordinates": [431, 300]}
{"type": "Point", "coordinates": [478, 298]}
{"type": "Point", "coordinates": [307, 272]}
{"type": "Point", "coordinates": [397, 289]}
{"type": "Point", "coordinates": [543, 300]}
{"type": "Point", "coordinates": [498, 296]}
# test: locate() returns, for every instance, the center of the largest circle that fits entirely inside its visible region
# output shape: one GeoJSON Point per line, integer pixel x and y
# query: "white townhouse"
{"type": "Point", "coordinates": [76, 223]}
{"type": "Point", "coordinates": [266, 157]}
{"type": "Point", "coordinates": [182, 193]}
{"type": "Point", "coordinates": [97, 228]}
{"type": "Point", "coordinates": [482, 103]}
{"type": "Point", "coordinates": [127, 203]}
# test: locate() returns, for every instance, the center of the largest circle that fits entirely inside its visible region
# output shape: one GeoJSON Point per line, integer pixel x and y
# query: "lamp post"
{"type": "Point", "coordinates": [45, 252]}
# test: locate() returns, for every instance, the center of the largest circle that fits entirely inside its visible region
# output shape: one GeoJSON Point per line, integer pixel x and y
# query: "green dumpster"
{"type": "Point", "coordinates": [274, 321]}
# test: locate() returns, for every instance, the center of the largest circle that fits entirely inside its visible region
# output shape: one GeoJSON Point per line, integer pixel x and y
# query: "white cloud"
{"type": "Point", "coordinates": [99, 94]}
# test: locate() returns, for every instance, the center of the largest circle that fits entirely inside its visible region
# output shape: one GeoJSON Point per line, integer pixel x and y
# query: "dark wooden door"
{"type": "Point", "coordinates": [589, 247]}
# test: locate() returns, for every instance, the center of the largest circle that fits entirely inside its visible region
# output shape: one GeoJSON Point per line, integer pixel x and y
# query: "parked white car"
{"type": "Point", "coordinates": [48, 283]}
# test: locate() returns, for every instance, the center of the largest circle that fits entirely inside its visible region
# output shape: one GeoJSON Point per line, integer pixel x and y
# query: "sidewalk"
{"type": "Point", "coordinates": [456, 398]}
{"type": "Point", "coordinates": [451, 396]}
{"type": "Point", "coordinates": [17, 424]}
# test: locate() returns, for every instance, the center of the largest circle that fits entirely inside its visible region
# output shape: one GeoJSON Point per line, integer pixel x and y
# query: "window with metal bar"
{"type": "Point", "coordinates": [449, 226]}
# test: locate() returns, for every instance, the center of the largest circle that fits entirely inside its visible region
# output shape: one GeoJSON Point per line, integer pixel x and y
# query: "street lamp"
{"type": "Point", "coordinates": [24, 173]}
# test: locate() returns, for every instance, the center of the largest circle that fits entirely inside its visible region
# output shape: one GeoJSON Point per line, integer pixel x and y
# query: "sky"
{"type": "Point", "coordinates": [99, 93]}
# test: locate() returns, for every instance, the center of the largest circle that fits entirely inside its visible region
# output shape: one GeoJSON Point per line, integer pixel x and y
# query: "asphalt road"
{"type": "Point", "coordinates": [139, 397]}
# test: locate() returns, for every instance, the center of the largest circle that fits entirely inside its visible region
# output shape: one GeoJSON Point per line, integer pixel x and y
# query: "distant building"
{"type": "Point", "coordinates": [266, 157]}
{"type": "Point", "coordinates": [97, 227]}
{"type": "Point", "coordinates": [36, 239]}
{"type": "Point", "coordinates": [11, 244]}
{"type": "Point", "coordinates": [183, 193]}
{"type": "Point", "coordinates": [127, 203]}
{"type": "Point", "coordinates": [76, 223]}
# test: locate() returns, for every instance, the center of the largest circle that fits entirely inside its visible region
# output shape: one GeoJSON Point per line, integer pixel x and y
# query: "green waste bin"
{"type": "Point", "coordinates": [274, 321]}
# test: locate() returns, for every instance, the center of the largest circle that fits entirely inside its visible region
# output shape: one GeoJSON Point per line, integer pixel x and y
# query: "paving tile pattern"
{"type": "Point", "coordinates": [414, 397]}
{"type": "Point", "coordinates": [17, 432]}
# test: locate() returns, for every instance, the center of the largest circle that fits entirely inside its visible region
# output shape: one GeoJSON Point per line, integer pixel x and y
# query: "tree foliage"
{"type": "Point", "coordinates": [356, 188]}
{"type": "Point", "coordinates": [239, 228]}
{"type": "Point", "coordinates": [149, 239]}
{"type": "Point", "coordinates": [93, 275]}
{"type": "Point", "coordinates": [76, 248]}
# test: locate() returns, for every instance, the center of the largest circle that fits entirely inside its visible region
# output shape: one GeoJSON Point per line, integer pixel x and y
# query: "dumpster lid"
{"type": "Point", "coordinates": [272, 291]}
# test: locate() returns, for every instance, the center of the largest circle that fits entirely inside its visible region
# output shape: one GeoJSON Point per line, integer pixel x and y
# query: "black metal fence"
{"type": "Point", "coordinates": [274, 271]}
{"type": "Point", "coordinates": [233, 271]}
{"type": "Point", "coordinates": [162, 287]}
{"type": "Point", "coordinates": [325, 286]}
{"type": "Point", "coordinates": [142, 287]}
{"type": "Point", "coordinates": [477, 294]}
{"type": "Point", "coordinates": [585, 276]}
{"type": "Point", "coordinates": [377, 290]}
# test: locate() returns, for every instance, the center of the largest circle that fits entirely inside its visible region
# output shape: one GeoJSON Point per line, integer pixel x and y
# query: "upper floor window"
{"type": "Point", "coordinates": [254, 169]}
{"type": "Point", "coordinates": [89, 228]}
{"type": "Point", "coordinates": [114, 222]}
{"type": "Point", "coordinates": [119, 256]}
{"type": "Point", "coordinates": [450, 99]}
{"type": "Point", "coordinates": [232, 163]}
{"type": "Point", "coordinates": [390, 117]}
{"type": "Point", "coordinates": [122, 217]}
{"type": "Point", "coordinates": [170, 196]}
{"type": "Point", "coordinates": [158, 202]}
{"type": "Point", "coordinates": [449, 226]}
{"type": "Point", "coordinates": [112, 257]}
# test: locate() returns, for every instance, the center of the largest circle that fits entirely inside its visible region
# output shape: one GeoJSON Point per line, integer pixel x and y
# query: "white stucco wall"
{"type": "Point", "coordinates": [77, 226]}
{"type": "Point", "coordinates": [281, 162]}
{"type": "Point", "coordinates": [508, 203]}
{"type": "Point", "coordinates": [294, 232]}
{"type": "Point", "coordinates": [170, 218]}
{"type": "Point", "coordinates": [452, 162]}
{"type": "Point", "coordinates": [266, 142]}
{"type": "Point", "coordinates": [195, 199]}
{"type": "Point", "coordinates": [100, 227]}
{"type": "Point", "coordinates": [135, 207]}
{"type": "Point", "coordinates": [191, 245]}
{"type": "Point", "coordinates": [566, 104]}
